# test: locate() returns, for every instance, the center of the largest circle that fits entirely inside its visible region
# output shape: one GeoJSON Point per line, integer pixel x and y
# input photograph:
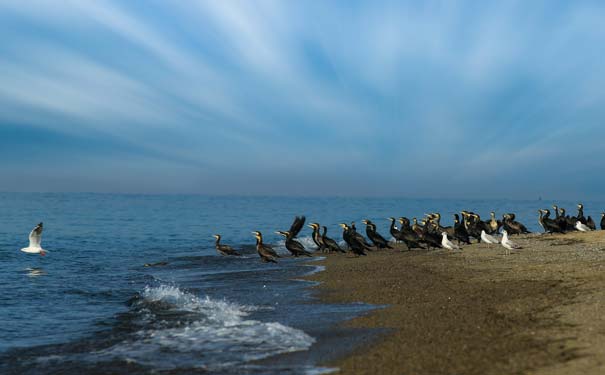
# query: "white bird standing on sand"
{"type": "Point", "coordinates": [582, 227]}
{"type": "Point", "coordinates": [35, 239]}
{"type": "Point", "coordinates": [488, 239]}
{"type": "Point", "coordinates": [445, 242]}
{"type": "Point", "coordinates": [508, 244]}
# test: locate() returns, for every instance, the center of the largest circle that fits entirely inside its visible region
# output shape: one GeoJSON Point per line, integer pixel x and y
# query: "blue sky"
{"type": "Point", "coordinates": [372, 98]}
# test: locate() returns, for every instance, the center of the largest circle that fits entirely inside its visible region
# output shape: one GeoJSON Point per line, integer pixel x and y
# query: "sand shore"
{"type": "Point", "coordinates": [536, 311]}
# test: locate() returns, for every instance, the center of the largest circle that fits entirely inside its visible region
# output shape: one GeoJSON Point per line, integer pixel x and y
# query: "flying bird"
{"type": "Point", "coordinates": [35, 240]}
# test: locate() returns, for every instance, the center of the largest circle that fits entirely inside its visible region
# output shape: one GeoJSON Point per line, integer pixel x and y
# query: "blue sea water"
{"type": "Point", "coordinates": [92, 306]}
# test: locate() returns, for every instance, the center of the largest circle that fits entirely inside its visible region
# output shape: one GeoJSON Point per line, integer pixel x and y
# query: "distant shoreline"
{"type": "Point", "coordinates": [477, 311]}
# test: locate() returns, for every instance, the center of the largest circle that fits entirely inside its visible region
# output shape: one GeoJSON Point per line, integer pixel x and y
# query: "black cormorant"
{"type": "Point", "coordinates": [293, 246]}
{"type": "Point", "coordinates": [407, 235]}
{"type": "Point", "coordinates": [359, 237]}
{"type": "Point", "coordinates": [549, 225]}
{"type": "Point", "coordinates": [603, 220]}
{"type": "Point", "coordinates": [224, 249]}
{"type": "Point", "coordinates": [317, 237]}
{"type": "Point", "coordinates": [460, 233]}
{"type": "Point", "coordinates": [355, 245]}
{"type": "Point", "coordinates": [266, 252]}
{"type": "Point", "coordinates": [511, 226]}
{"type": "Point", "coordinates": [329, 243]}
{"type": "Point", "coordinates": [378, 241]}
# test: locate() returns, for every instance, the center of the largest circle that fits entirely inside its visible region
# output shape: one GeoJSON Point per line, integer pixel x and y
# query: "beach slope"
{"type": "Point", "coordinates": [477, 311]}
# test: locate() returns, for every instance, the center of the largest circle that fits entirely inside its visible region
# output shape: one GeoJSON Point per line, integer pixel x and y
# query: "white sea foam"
{"type": "Point", "coordinates": [220, 336]}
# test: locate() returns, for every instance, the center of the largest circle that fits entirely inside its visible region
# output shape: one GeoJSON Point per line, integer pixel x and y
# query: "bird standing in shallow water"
{"type": "Point", "coordinates": [266, 252]}
{"type": "Point", "coordinates": [293, 246]}
{"type": "Point", "coordinates": [225, 250]}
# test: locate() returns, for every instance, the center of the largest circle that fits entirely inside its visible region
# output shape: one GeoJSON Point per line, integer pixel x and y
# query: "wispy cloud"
{"type": "Point", "coordinates": [278, 97]}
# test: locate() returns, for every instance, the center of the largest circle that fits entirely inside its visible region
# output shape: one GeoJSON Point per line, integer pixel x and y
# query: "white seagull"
{"type": "Point", "coordinates": [488, 239]}
{"type": "Point", "coordinates": [508, 244]}
{"type": "Point", "coordinates": [445, 242]}
{"type": "Point", "coordinates": [582, 227]}
{"type": "Point", "coordinates": [35, 239]}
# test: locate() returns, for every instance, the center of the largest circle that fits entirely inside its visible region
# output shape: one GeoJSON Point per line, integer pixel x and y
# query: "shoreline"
{"type": "Point", "coordinates": [476, 311]}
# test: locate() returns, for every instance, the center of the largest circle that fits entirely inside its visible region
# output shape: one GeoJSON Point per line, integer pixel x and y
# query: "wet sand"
{"type": "Point", "coordinates": [477, 311]}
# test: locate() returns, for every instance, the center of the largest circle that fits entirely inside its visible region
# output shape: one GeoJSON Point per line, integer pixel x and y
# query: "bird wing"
{"type": "Point", "coordinates": [296, 226]}
{"type": "Point", "coordinates": [35, 237]}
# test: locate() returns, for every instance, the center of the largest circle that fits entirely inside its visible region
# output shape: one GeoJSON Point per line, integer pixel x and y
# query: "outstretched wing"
{"type": "Point", "coordinates": [35, 236]}
{"type": "Point", "coordinates": [296, 226]}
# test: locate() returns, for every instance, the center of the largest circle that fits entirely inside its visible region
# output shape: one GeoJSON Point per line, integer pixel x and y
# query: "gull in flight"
{"type": "Point", "coordinates": [508, 244]}
{"type": "Point", "coordinates": [445, 242]}
{"type": "Point", "coordinates": [488, 239]}
{"type": "Point", "coordinates": [35, 239]}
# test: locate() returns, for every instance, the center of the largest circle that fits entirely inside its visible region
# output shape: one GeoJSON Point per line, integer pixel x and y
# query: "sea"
{"type": "Point", "coordinates": [132, 284]}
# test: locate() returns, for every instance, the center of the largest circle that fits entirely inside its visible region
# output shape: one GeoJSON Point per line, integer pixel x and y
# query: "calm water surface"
{"type": "Point", "coordinates": [91, 305]}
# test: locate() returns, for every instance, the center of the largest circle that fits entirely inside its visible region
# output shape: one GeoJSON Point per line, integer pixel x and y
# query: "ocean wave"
{"type": "Point", "coordinates": [218, 335]}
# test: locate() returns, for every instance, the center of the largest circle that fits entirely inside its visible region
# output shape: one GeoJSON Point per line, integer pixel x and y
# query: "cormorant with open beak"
{"type": "Point", "coordinates": [293, 246]}
{"type": "Point", "coordinates": [224, 249]}
{"type": "Point", "coordinates": [378, 241]}
{"type": "Point", "coordinates": [266, 252]}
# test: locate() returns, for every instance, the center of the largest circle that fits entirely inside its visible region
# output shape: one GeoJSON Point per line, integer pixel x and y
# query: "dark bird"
{"type": "Point", "coordinates": [293, 246]}
{"type": "Point", "coordinates": [549, 225]}
{"type": "Point", "coordinates": [359, 237]}
{"type": "Point", "coordinates": [590, 223]}
{"type": "Point", "coordinates": [580, 217]}
{"type": "Point", "coordinates": [329, 243]}
{"type": "Point", "coordinates": [355, 245]}
{"type": "Point", "coordinates": [511, 226]}
{"type": "Point", "coordinates": [407, 235]}
{"type": "Point", "coordinates": [296, 226]}
{"type": "Point", "coordinates": [603, 220]}
{"type": "Point", "coordinates": [317, 238]}
{"type": "Point", "coordinates": [266, 252]}
{"type": "Point", "coordinates": [377, 239]}
{"type": "Point", "coordinates": [393, 230]}
{"type": "Point", "coordinates": [460, 233]}
{"type": "Point", "coordinates": [224, 249]}
{"type": "Point", "coordinates": [560, 217]}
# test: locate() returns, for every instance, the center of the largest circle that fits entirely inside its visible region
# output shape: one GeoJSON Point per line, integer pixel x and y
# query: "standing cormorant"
{"type": "Point", "coordinates": [407, 235]}
{"type": "Point", "coordinates": [549, 225]}
{"type": "Point", "coordinates": [511, 226]}
{"type": "Point", "coordinates": [266, 252]}
{"type": "Point", "coordinates": [580, 216]}
{"type": "Point", "coordinates": [330, 244]}
{"type": "Point", "coordinates": [348, 236]}
{"type": "Point", "coordinates": [317, 237]}
{"type": "Point", "coordinates": [590, 223]}
{"type": "Point", "coordinates": [460, 233]}
{"type": "Point", "coordinates": [224, 249]}
{"type": "Point", "coordinates": [293, 246]}
{"type": "Point", "coordinates": [603, 220]}
{"type": "Point", "coordinates": [378, 241]}
{"type": "Point", "coordinates": [359, 237]}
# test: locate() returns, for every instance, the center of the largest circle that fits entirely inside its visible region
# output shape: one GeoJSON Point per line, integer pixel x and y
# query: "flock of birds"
{"type": "Point", "coordinates": [428, 234]}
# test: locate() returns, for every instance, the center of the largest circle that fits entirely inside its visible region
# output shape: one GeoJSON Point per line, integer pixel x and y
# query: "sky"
{"type": "Point", "coordinates": [470, 99]}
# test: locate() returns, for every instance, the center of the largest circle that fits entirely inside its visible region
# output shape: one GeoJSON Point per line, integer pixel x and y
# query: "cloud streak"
{"type": "Point", "coordinates": [267, 97]}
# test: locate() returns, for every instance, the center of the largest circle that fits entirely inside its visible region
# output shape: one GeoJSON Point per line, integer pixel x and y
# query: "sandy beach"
{"type": "Point", "coordinates": [477, 311]}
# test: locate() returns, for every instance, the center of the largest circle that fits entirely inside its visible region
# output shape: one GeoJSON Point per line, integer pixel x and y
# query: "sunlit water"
{"type": "Point", "coordinates": [91, 306]}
